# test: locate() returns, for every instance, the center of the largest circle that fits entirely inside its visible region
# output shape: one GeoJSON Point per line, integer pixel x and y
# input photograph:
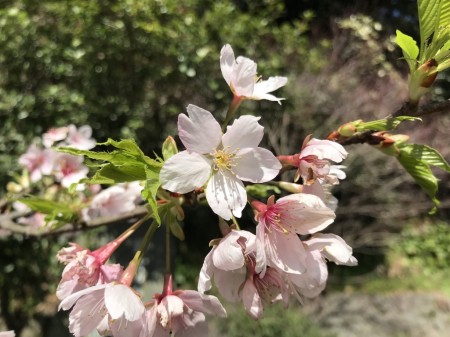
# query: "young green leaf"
{"type": "Point", "coordinates": [421, 173]}
{"type": "Point", "coordinates": [427, 155]}
{"type": "Point", "coordinates": [428, 18]}
{"type": "Point", "coordinates": [384, 124]}
{"type": "Point", "coordinates": [150, 190]}
{"type": "Point", "coordinates": [409, 48]}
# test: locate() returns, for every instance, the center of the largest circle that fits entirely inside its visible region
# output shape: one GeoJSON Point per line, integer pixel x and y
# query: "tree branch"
{"type": "Point", "coordinates": [7, 223]}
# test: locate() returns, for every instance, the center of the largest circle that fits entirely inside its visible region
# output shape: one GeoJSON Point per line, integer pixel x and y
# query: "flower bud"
{"type": "Point", "coordinates": [169, 148]}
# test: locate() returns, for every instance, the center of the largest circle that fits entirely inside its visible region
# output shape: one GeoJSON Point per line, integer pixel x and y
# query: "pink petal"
{"type": "Point", "coordinates": [184, 172]}
{"type": "Point", "coordinates": [192, 325]}
{"type": "Point", "coordinates": [324, 149]}
{"type": "Point", "coordinates": [68, 302]}
{"type": "Point", "coordinates": [204, 303]}
{"type": "Point", "coordinates": [206, 273]}
{"type": "Point", "coordinates": [285, 252]}
{"type": "Point", "coordinates": [170, 307]}
{"type": "Point", "coordinates": [199, 132]}
{"type": "Point", "coordinates": [120, 301]}
{"type": "Point", "coordinates": [257, 165]}
{"type": "Point", "coordinates": [304, 213]}
{"type": "Point", "coordinates": [244, 132]}
{"type": "Point", "coordinates": [261, 258]}
{"type": "Point", "coordinates": [86, 315]}
{"type": "Point", "coordinates": [226, 195]}
{"type": "Point", "coordinates": [251, 300]}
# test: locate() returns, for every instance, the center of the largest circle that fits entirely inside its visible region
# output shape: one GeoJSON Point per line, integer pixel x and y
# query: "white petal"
{"type": "Point", "coordinates": [268, 97]}
{"type": "Point", "coordinates": [120, 301]}
{"type": "Point", "coordinates": [226, 195]}
{"type": "Point", "coordinates": [169, 307]}
{"type": "Point", "coordinates": [184, 172]}
{"type": "Point", "coordinates": [333, 247]}
{"type": "Point", "coordinates": [269, 85]}
{"type": "Point", "coordinates": [324, 149]}
{"type": "Point", "coordinates": [199, 132]}
{"type": "Point", "coordinates": [244, 132]}
{"type": "Point", "coordinates": [68, 302]}
{"type": "Point", "coordinates": [261, 258]}
{"type": "Point", "coordinates": [285, 252]}
{"type": "Point", "coordinates": [257, 165]}
{"type": "Point", "coordinates": [243, 76]}
{"type": "Point", "coordinates": [227, 61]}
{"type": "Point", "coordinates": [228, 254]}
{"type": "Point", "coordinates": [251, 300]}
{"type": "Point", "coordinates": [206, 273]}
{"type": "Point", "coordinates": [229, 283]}
{"type": "Point", "coordinates": [207, 304]}
{"type": "Point", "coordinates": [86, 315]}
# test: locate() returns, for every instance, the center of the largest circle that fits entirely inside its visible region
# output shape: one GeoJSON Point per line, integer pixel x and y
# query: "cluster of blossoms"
{"type": "Point", "coordinates": [285, 257]}
{"type": "Point", "coordinates": [65, 169]}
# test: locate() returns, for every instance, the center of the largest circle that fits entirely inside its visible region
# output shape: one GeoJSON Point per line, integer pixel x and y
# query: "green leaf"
{"type": "Point", "coordinates": [409, 48]}
{"type": "Point", "coordinates": [444, 15]}
{"type": "Point", "coordinates": [45, 206]}
{"type": "Point", "coordinates": [384, 124]}
{"type": "Point", "coordinates": [427, 155]}
{"type": "Point", "coordinates": [421, 173]}
{"type": "Point", "coordinates": [111, 174]}
{"type": "Point", "coordinates": [149, 193]}
{"type": "Point", "coordinates": [428, 18]}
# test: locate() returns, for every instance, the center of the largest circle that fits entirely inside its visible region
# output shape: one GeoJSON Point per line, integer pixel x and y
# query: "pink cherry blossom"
{"type": "Point", "coordinates": [85, 268]}
{"type": "Point", "coordinates": [220, 161]}
{"type": "Point", "coordinates": [10, 333]}
{"type": "Point", "coordinates": [69, 169]}
{"type": "Point", "coordinates": [231, 263]}
{"type": "Point", "coordinates": [36, 221]}
{"type": "Point", "coordinates": [241, 76]}
{"type": "Point", "coordinates": [181, 312]}
{"type": "Point", "coordinates": [38, 162]}
{"type": "Point", "coordinates": [112, 307]}
{"type": "Point", "coordinates": [111, 201]}
{"type": "Point", "coordinates": [318, 249]}
{"type": "Point", "coordinates": [54, 135]}
{"type": "Point", "coordinates": [277, 243]}
{"type": "Point", "coordinates": [80, 138]}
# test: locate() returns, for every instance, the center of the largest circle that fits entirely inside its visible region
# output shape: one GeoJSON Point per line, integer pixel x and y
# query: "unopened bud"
{"type": "Point", "coordinates": [291, 187]}
{"type": "Point", "coordinates": [13, 187]}
{"type": "Point", "coordinates": [348, 129]}
{"type": "Point", "coordinates": [169, 148]}
{"type": "Point", "coordinates": [429, 67]}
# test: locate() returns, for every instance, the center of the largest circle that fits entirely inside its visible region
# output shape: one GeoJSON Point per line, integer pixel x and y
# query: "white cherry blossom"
{"type": "Point", "coordinates": [241, 76]}
{"type": "Point", "coordinates": [219, 160]}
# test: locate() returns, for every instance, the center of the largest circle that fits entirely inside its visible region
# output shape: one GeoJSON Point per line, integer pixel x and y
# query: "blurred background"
{"type": "Point", "coordinates": [129, 67]}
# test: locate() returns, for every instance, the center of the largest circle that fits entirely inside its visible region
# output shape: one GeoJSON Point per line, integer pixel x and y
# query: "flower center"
{"type": "Point", "coordinates": [224, 159]}
{"type": "Point", "coordinates": [272, 219]}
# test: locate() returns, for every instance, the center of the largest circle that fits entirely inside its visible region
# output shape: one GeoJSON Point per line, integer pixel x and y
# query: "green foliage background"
{"type": "Point", "coordinates": [128, 67]}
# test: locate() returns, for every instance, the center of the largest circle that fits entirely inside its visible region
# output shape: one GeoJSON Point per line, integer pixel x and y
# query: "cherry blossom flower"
{"type": "Point", "coordinates": [181, 312]}
{"type": "Point", "coordinates": [241, 76]}
{"type": "Point", "coordinates": [232, 265]}
{"type": "Point", "coordinates": [54, 135]}
{"type": "Point", "coordinates": [313, 161]}
{"type": "Point", "coordinates": [85, 268]}
{"type": "Point", "coordinates": [80, 138]}
{"type": "Point", "coordinates": [277, 243]}
{"type": "Point", "coordinates": [112, 307]}
{"type": "Point", "coordinates": [38, 162]}
{"type": "Point", "coordinates": [36, 221]}
{"type": "Point", "coordinates": [112, 201]}
{"type": "Point", "coordinates": [221, 161]}
{"type": "Point", "coordinates": [69, 169]}
{"type": "Point", "coordinates": [319, 248]}
{"type": "Point", "coordinates": [10, 333]}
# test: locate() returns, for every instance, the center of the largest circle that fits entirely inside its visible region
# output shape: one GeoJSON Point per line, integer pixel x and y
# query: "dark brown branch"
{"type": "Point", "coordinates": [7, 222]}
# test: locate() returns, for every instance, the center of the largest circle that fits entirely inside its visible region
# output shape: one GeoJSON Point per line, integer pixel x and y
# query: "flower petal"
{"type": "Point", "coordinates": [251, 300]}
{"type": "Point", "coordinates": [257, 165]}
{"type": "Point", "coordinates": [68, 302]}
{"type": "Point", "coordinates": [199, 132]}
{"type": "Point", "coordinates": [227, 61]}
{"type": "Point", "coordinates": [229, 283]}
{"type": "Point", "coordinates": [120, 301]}
{"type": "Point", "coordinates": [228, 254]}
{"type": "Point", "coordinates": [170, 306]}
{"type": "Point", "coordinates": [285, 252]}
{"type": "Point", "coordinates": [184, 172]}
{"type": "Point", "coordinates": [86, 315]}
{"type": "Point", "coordinates": [304, 213]}
{"type": "Point", "coordinates": [244, 132]}
{"type": "Point", "coordinates": [324, 149]}
{"type": "Point", "coordinates": [204, 303]}
{"type": "Point", "coordinates": [333, 247]}
{"type": "Point", "coordinates": [226, 195]}
{"type": "Point", "coordinates": [243, 77]}
{"type": "Point", "coordinates": [206, 273]}
{"type": "Point", "coordinates": [271, 84]}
